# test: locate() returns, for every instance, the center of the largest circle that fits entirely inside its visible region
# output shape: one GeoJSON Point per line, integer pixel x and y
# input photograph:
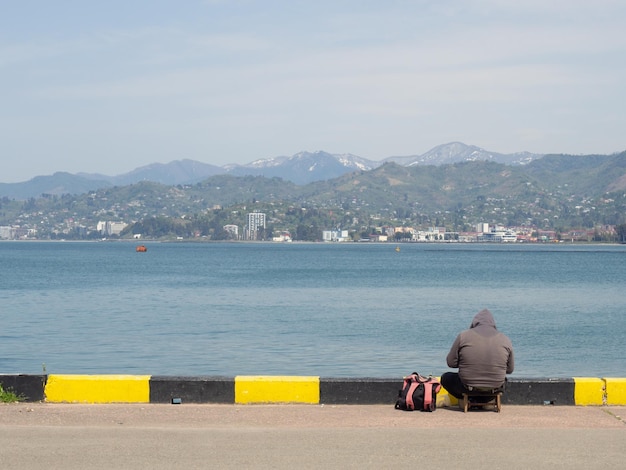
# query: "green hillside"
{"type": "Point", "coordinates": [556, 192]}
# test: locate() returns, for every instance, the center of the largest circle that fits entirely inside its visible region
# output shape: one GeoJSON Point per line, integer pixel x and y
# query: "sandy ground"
{"type": "Point", "coordinates": [305, 416]}
{"type": "Point", "coordinates": [156, 436]}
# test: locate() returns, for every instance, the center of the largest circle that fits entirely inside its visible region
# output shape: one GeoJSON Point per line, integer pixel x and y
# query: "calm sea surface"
{"type": "Point", "coordinates": [333, 310]}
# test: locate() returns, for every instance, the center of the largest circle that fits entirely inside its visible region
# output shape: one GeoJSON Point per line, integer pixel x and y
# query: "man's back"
{"type": "Point", "coordinates": [483, 355]}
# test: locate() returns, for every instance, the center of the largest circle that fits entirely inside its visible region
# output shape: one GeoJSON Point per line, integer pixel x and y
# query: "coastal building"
{"type": "Point", "coordinates": [232, 230]}
{"type": "Point", "coordinates": [335, 236]}
{"type": "Point", "coordinates": [109, 228]}
{"type": "Point", "coordinates": [432, 234]}
{"type": "Point", "coordinates": [482, 228]}
{"type": "Point", "coordinates": [282, 236]}
{"type": "Point", "coordinates": [256, 224]}
{"type": "Point", "coordinates": [16, 233]}
{"type": "Point", "coordinates": [6, 232]}
{"type": "Point", "coordinates": [378, 237]}
{"type": "Point", "coordinates": [498, 234]}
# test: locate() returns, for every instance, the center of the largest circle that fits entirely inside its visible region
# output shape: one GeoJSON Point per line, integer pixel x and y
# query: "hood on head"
{"type": "Point", "coordinates": [483, 318]}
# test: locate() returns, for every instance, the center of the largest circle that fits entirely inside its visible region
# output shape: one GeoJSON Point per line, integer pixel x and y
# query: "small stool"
{"type": "Point", "coordinates": [494, 396]}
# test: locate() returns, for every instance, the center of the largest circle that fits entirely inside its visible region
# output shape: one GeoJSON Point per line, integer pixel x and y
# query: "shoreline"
{"type": "Point", "coordinates": [321, 242]}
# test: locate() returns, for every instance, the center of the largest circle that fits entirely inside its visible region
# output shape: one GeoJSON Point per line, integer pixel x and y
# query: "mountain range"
{"type": "Point", "coordinates": [300, 169]}
{"type": "Point", "coordinates": [557, 192]}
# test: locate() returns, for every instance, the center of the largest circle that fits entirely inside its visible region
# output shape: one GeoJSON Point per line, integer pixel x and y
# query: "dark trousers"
{"type": "Point", "coordinates": [452, 383]}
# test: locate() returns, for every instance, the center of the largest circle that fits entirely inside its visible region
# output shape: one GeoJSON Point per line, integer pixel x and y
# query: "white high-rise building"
{"type": "Point", "coordinates": [482, 228]}
{"type": "Point", "coordinates": [256, 221]}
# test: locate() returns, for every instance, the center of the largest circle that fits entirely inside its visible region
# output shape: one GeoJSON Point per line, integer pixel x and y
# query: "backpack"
{"type": "Point", "coordinates": [418, 393]}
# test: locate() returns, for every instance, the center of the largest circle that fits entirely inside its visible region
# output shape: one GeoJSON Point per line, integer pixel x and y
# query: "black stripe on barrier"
{"type": "Point", "coordinates": [165, 389]}
{"type": "Point", "coordinates": [359, 391]}
{"type": "Point", "coordinates": [172, 389]}
{"type": "Point", "coordinates": [539, 391]}
{"type": "Point", "coordinates": [28, 388]}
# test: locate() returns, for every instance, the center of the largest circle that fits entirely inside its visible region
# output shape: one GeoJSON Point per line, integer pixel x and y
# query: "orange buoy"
{"type": "Point", "coordinates": [141, 249]}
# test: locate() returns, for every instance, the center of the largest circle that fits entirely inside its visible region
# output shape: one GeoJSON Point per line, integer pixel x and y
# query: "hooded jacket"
{"type": "Point", "coordinates": [482, 354]}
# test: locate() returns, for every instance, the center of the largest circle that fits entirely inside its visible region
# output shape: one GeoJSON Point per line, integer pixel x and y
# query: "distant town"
{"type": "Point", "coordinates": [556, 198]}
{"type": "Point", "coordinates": [256, 230]}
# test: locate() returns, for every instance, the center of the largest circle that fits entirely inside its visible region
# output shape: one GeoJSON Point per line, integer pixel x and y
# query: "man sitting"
{"type": "Point", "coordinates": [483, 356]}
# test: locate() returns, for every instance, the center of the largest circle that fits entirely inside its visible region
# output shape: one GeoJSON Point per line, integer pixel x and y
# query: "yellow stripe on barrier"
{"type": "Point", "coordinates": [615, 391]}
{"type": "Point", "coordinates": [98, 389]}
{"type": "Point", "coordinates": [277, 389]}
{"type": "Point", "coordinates": [588, 391]}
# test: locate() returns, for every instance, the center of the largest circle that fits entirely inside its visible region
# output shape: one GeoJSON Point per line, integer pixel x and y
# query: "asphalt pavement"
{"type": "Point", "coordinates": [190, 436]}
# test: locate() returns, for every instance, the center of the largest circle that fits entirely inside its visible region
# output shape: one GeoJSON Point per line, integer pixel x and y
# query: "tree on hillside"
{"type": "Point", "coordinates": [621, 233]}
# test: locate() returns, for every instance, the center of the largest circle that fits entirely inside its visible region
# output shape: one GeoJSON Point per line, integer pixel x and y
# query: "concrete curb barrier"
{"type": "Point", "coordinates": [359, 391]}
{"type": "Point", "coordinates": [541, 391]}
{"type": "Point", "coordinates": [615, 391]}
{"type": "Point", "coordinates": [291, 389]}
{"type": "Point", "coordinates": [28, 387]}
{"type": "Point", "coordinates": [277, 389]}
{"type": "Point", "coordinates": [166, 389]}
{"type": "Point", "coordinates": [589, 391]}
{"type": "Point", "coordinates": [98, 389]}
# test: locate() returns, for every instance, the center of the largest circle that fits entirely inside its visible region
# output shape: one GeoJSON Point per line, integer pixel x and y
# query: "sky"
{"type": "Point", "coordinates": [110, 86]}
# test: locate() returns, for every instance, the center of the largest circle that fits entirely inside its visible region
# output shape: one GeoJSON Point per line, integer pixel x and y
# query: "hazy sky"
{"type": "Point", "coordinates": [108, 86]}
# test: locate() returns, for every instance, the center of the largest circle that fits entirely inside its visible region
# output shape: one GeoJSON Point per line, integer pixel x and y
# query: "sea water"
{"type": "Point", "coordinates": [332, 310]}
